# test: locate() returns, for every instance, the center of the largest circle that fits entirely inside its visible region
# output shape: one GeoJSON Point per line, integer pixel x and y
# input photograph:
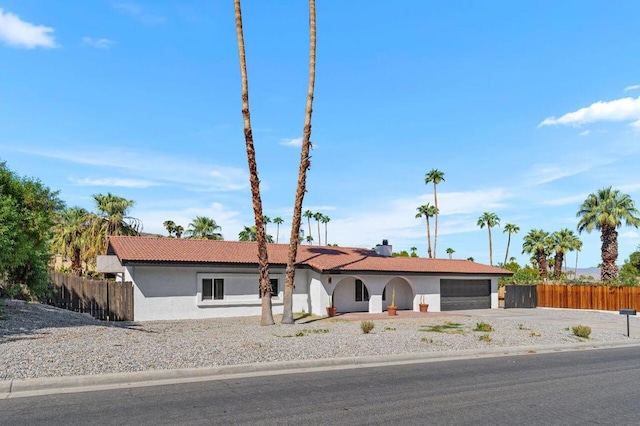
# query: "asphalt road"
{"type": "Point", "coordinates": [577, 387]}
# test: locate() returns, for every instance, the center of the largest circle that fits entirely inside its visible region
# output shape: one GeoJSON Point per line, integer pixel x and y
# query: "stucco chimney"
{"type": "Point", "coordinates": [384, 249]}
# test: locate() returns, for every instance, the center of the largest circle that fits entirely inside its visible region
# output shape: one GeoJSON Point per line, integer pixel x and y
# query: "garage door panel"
{"type": "Point", "coordinates": [465, 294]}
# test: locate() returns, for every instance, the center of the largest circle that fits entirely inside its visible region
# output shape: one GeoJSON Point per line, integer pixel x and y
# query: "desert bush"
{"type": "Point", "coordinates": [582, 331]}
{"type": "Point", "coordinates": [483, 326]}
{"type": "Point", "coordinates": [367, 326]}
{"type": "Point", "coordinates": [484, 338]}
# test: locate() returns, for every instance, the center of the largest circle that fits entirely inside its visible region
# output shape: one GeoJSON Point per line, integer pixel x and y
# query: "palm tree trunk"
{"type": "Point", "coordinates": [263, 260]}
{"type": "Point", "coordinates": [435, 236]}
{"type": "Point", "coordinates": [506, 254]}
{"type": "Point", "coordinates": [557, 265]}
{"type": "Point", "coordinates": [319, 237]}
{"type": "Point", "coordinates": [76, 262]}
{"type": "Point", "coordinates": [542, 264]}
{"type": "Point", "coordinates": [490, 246]}
{"type": "Point", "coordinates": [325, 234]}
{"type": "Point", "coordinates": [575, 274]}
{"type": "Point", "coordinates": [609, 238]}
{"type": "Point", "coordinates": [277, 233]}
{"type": "Point", "coordinates": [305, 163]}
{"type": "Point", "coordinates": [429, 240]}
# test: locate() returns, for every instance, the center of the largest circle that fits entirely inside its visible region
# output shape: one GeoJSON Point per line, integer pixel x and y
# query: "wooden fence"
{"type": "Point", "coordinates": [102, 299]}
{"type": "Point", "coordinates": [520, 296]}
{"type": "Point", "coordinates": [588, 297]}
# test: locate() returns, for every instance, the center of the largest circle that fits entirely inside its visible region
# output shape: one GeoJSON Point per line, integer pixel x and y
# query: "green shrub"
{"type": "Point", "coordinates": [582, 331]}
{"type": "Point", "coordinates": [484, 338]}
{"type": "Point", "coordinates": [367, 326]}
{"type": "Point", "coordinates": [483, 326]}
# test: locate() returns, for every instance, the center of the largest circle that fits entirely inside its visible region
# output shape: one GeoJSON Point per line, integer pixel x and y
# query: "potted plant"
{"type": "Point", "coordinates": [392, 309]}
{"type": "Point", "coordinates": [423, 306]}
{"type": "Point", "coordinates": [331, 310]}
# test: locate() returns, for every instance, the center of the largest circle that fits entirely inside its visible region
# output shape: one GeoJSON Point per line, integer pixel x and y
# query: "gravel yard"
{"type": "Point", "coordinates": [40, 341]}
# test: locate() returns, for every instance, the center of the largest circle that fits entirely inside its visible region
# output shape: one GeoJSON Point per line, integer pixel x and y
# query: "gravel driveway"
{"type": "Point", "coordinates": [42, 341]}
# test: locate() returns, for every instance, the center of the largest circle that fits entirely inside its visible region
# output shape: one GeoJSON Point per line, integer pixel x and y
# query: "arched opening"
{"type": "Point", "coordinates": [351, 295]}
{"type": "Point", "coordinates": [404, 294]}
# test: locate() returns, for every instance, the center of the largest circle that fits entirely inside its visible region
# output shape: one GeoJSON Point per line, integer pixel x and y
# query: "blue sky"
{"type": "Point", "coordinates": [526, 106]}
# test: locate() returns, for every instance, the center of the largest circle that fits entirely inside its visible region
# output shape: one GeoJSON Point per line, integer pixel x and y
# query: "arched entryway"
{"type": "Point", "coordinates": [404, 294]}
{"type": "Point", "coordinates": [351, 295]}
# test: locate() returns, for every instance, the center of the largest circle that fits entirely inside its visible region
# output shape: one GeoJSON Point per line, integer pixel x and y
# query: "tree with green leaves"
{"type": "Point", "coordinates": [606, 210]}
{"type": "Point", "coordinates": [204, 228]}
{"type": "Point", "coordinates": [278, 221]}
{"type": "Point", "coordinates": [28, 211]}
{"type": "Point", "coordinates": [266, 220]}
{"type": "Point", "coordinates": [179, 231]}
{"type": "Point", "coordinates": [72, 236]}
{"type": "Point", "coordinates": [537, 243]}
{"type": "Point", "coordinates": [509, 228]}
{"type": "Point", "coordinates": [170, 226]}
{"type": "Point", "coordinates": [308, 214]}
{"type": "Point", "coordinates": [318, 217]}
{"type": "Point", "coordinates": [450, 252]}
{"type": "Point", "coordinates": [264, 284]}
{"type": "Point", "coordinates": [310, 239]}
{"type": "Point", "coordinates": [414, 251]}
{"type": "Point", "coordinates": [489, 220]}
{"type": "Point", "coordinates": [112, 219]}
{"type": "Point", "coordinates": [427, 211]}
{"type": "Point", "coordinates": [249, 233]}
{"type": "Point", "coordinates": [563, 241]}
{"type": "Point", "coordinates": [436, 176]}
{"type": "Point", "coordinates": [325, 220]}
{"type": "Point", "coordinates": [471, 259]}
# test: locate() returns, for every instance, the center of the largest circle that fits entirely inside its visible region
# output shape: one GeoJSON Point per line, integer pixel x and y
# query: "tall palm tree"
{"type": "Point", "coordinates": [563, 241]}
{"type": "Point", "coordinates": [179, 231]}
{"type": "Point", "coordinates": [605, 210]}
{"type": "Point", "coordinates": [263, 258]}
{"type": "Point", "coordinates": [266, 219]}
{"type": "Point", "coordinates": [414, 251]}
{"type": "Point", "coordinates": [489, 220]}
{"type": "Point", "coordinates": [325, 219]}
{"type": "Point", "coordinates": [71, 236]}
{"type": "Point", "coordinates": [427, 211]}
{"type": "Point", "coordinates": [204, 228]}
{"type": "Point", "coordinates": [318, 217]}
{"type": "Point", "coordinates": [511, 229]}
{"type": "Point", "coordinates": [305, 164]}
{"type": "Point", "coordinates": [170, 226]}
{"type": "Point", "coordinates": [435, 176]}
{"type": "Point", "coordinates": [278, 221]}
{"type": "Point", "coordinates": [577, 246]}
{"type": "Point", "coordinates": [450, 252]}
{"type": "Point", "coordinates": [308, 214]}
{"type": "Point", "coordinates": [537, 243]}
{"type": "Point", "coordinates": [113, 219]}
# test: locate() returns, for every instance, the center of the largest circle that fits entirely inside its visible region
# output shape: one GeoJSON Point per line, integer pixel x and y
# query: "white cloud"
{"type": "Point", "coordinates": [541, 174]}
{"type": "Point", "coordinates": [18, 33]}
{"type": "Point", "coordinates": [98, 43]}
{"type": "Point", "coordinates": [573, 199]}
{"type": "Point", "coordinates": [135, 10]}
{"type": "Point", "coordinates": [160, 169]}
{"type": "Point", "coordinates": [585, 133]}
{"type": "Point", "coordinates": [624, 109]}
{"type": "Point", "coordinates": [119, 182]}
{"type": "Point", "coordinates": [630, 88]}
{"type": "Point", "coordinates": [295, 142]}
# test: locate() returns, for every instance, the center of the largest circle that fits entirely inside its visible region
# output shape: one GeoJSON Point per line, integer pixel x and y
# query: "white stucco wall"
{"type": "Point", "coordinates": [171, 292]}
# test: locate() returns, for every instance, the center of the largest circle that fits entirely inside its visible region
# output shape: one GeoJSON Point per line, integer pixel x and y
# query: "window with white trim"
{"type": "Point", "coordinates": [212, 288]}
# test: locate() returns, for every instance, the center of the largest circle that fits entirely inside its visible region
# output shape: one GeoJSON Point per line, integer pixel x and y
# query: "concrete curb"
{"type": "Point", "coordinates": [50, 385]}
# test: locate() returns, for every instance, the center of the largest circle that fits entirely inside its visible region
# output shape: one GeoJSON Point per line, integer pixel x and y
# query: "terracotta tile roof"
{"type": "Point", "coordinates": [320, 258]}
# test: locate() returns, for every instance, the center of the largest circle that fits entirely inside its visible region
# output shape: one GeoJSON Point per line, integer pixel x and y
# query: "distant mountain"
{"type": "Point", "coordinates": [587, 272]}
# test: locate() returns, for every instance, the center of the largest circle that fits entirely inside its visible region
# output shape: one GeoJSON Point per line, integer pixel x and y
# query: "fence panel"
{"type": "Point", "coordinates": [588, 297]}
{"type": "Point", "coordinates": [102, 299]}
{"type": "Point", "coordinates": [520, 296]}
